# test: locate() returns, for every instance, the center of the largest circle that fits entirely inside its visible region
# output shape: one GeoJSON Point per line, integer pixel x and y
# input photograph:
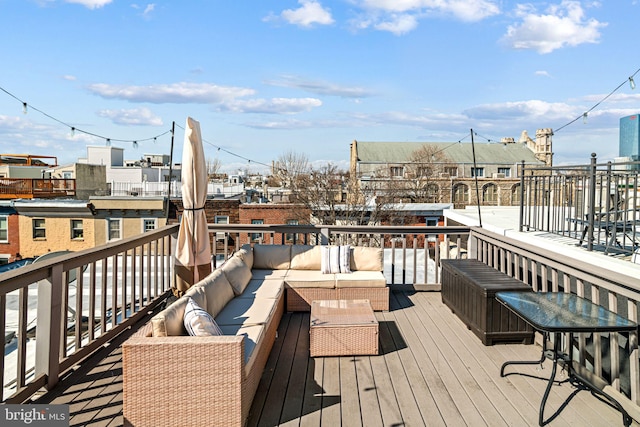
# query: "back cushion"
{"type": "Point", "coordinates": [238, 274]}
{"type": "Point", "coordinates": [271, 257]}
{"type": "Point", "coordinates": [305, 257]}
{"type": "Point", "coordinates": [245, 253]}
{"type": "Point", "coordinates": [169, 322]}
{"type": "Point", "coordinates": [217, 292]}
{"type": "Point", "coordinates": [368, 259]}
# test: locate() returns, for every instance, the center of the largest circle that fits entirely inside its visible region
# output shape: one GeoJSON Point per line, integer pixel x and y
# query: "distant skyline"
{"type": "Point", "coordinates": [310, 76]}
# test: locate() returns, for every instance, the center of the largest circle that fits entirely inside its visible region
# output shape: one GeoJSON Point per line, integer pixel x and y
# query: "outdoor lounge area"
{"type": "Point", "coordinates": [430, 369]}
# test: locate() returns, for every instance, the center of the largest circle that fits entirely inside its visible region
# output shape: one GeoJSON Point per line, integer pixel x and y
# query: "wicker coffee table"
{"type": "Point", "coordinates": [343, 328]}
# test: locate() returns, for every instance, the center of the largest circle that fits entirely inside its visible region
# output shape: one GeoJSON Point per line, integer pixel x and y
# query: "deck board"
{"type": "Point", "coordinates": [431, 370]}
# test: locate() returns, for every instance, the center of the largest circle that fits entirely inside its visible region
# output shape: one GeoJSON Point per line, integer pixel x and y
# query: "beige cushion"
{"type": "Point", "coordinates": [263, 289]}
{"type": "Point", "coordinates": [169, 322]}
{"type": "Point", "coordinates": [245, 253]}
{"type": "Point", "coordinates": [238, 273]}
{"type": "Point", "coordinates": [217, 290]}
{"type": "Point", "coordinates": [309, 279]}
{"type": "Point", "coordinates": [268, 274]}
{"type": "Point", "coordinates": [247, 311]}
{"type": "Point", "coordinates": [271, 257]}
{"type": "Point", "coordinates": [305, 257]}
{"type": "Point", "coordinates": [252, 336]}
{"type": "Point", "coordinates": [361, 279]}
{"type": "Point", "coordinates": [363, 258]}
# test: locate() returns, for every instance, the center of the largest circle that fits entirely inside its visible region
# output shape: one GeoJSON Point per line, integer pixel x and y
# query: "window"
{"type": "Point", "coordinates": [461, 193]}
{"type": "Point", "coordinates": [431, 221]}
{"type": "Point", "coordinates": [451, 170]}
{"type": "Point", "coordinates": [515, 195]}
{"type": "Point", "coordinates": [221, 219]}
{"type": "Point", "coordinates": [479, 172]}
{"type": "Point", "coordinates": [424, 171]}
{"type": "Point", "coordinates": [77, 229]}
{"type": "Point", "coordinates": [257, 237]}
{"type": "Point", "coordinates": [39, 230]}
{"type": "Point", "coordinates": [505, 171]}
{"type": "Point", "coordinates": [67, 175]}
{"type": "Point", "coordinates": [114, 229]}
{"type": "Point", "coordinates": [397, 171]}
{"type": "Point", "coordinates": [148, 224]}
{"type": "Point", "coordinates": [490, 194]}
{"type": "Point", "coordinates": [292, 237]}
{"type": "Point", "coordinates": [4, 229]}
{"type": "Point", "coordinates": [433, 193]}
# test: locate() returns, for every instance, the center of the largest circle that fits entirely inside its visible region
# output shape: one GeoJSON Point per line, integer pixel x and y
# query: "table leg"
{"type": "Point", "coordinates": [527, 362]}
{"type": "Point", "coordinates": [556, 351]}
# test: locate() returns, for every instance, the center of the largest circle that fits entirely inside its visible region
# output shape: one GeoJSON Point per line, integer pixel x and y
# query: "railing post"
{"type": "Point", "coordinates": [521, 197]}
{"type": "Point", "coordinates": [592, 202]}
{"type": "Point", "coordinates": [324, 236]}
{"type": "Point", "coordinates": [49, 326]}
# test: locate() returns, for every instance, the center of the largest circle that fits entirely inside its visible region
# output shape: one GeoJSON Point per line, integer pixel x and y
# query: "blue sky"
{"type": "Point", "coordinates": [310, 76]}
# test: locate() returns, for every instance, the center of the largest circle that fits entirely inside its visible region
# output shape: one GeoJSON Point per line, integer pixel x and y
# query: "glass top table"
{"type": "Point", "coordinates": [558, 313]}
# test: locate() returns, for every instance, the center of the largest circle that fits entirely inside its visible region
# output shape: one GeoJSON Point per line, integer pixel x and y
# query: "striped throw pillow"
{"type": "Point", "coordinates": [198, 322]}
{"type": "Point", "coordinates": [345, 259]}
{"type": "Point", "coordinates": [330, 259]}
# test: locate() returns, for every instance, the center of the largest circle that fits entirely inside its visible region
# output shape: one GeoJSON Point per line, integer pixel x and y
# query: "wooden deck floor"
{"type": "Point", "coordinates": [431, 371]}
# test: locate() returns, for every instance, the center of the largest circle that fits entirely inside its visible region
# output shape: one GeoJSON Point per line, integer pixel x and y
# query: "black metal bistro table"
{"type": "Point", "coordinates": [557, 313]}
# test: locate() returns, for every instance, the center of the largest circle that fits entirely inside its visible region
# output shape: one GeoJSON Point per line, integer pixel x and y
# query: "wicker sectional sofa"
{"type": "Point", "coordinates": [171, 378]}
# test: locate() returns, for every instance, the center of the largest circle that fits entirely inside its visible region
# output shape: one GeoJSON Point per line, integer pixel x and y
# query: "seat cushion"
{"type": "Point", "coordinates": [268, 274]}
{"type": "Point", "coordinates": [361, 279]}
{"type": "Point", "coordinates": [271, 257]}
{"type": "Point", "coordinates": [170, 321]}
{"type": "Point", "coordinates": [263, 289]}
{"type": "Point", "coordinates": [238, 273]}
{"type": "Point", "coordinates": [309, 279]}
{"type": "Point", "coordinates": [305, 257]}
{"type": "Point", "coordinates": [252, 336]}
{"type": "Point", "coordinates": [247, 311]}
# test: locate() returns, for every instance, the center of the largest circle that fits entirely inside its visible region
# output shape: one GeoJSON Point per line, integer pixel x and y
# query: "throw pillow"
{"type": "Point", "coordinates": [198, 322]}
{"type": "Point", "coordinates": [329, 259]}
{"type": "Point", "coordinates": [345, 259]}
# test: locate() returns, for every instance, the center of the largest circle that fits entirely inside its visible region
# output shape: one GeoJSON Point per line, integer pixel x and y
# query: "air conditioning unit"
{"type": "Point", "coordinates": [498, 175]}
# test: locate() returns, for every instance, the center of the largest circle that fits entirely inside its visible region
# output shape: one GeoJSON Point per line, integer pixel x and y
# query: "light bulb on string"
{"type": "Point", "coordinates": [135, 144]}
{"type": "Point", "coordinates": [73, 132]}
{"type": "Point", "coordinates": [584, 118]}
{"type": "Point", "coordinates": [632, 83]}
{"type": "Point", "coordinates": [108, 142]}
{"type": "Point", "coordinates": [24, 108]}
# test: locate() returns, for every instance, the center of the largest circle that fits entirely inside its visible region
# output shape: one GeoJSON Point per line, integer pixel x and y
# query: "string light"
{"type": "Point", "coordinates": [585, 118]}
{"type": "Point", "coordinates": [24, 108]}
{"type": "Point", "coordinates": [73, 132]}
{"type": "Point", "coordinates": [632, 83]}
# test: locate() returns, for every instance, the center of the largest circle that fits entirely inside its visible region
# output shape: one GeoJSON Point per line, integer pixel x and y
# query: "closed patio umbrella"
{"type": "Point", "coordinates": [193, 252]}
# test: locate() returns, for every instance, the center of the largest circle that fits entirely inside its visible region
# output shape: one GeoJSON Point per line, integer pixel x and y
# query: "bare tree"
{"type": "Point", "coordinates": [213, 166]}
{"type": "Point", "coordinates": [289, 167]}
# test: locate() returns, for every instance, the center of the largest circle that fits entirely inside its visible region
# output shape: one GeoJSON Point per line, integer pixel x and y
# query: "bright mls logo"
{"type": "Point", "coordinates": [35, 415]}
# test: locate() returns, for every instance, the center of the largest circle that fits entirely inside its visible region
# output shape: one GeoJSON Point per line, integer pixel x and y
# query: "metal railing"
{"type": "Point", "coordinates": [142, 273]}
{"type": "Point", "coordinates": [15, 188]}
{"type": "Point", "coordinates": [611, 357]}
{"type": "Point", "coordinates": [598, 205]}
{"type": "Point", "coordinates": [57, 312]}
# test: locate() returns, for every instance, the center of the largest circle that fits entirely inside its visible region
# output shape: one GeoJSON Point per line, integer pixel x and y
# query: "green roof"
{"type": "Point", "coordinates": [457, 152]}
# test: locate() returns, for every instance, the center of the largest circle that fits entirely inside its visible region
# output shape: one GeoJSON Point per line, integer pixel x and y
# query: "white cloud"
{"type": "Point", "coordinates": [310, 13]}
{"type": "Point", "coordinates": [398, 24]}
{"type": "Point", "coordinates": [91, 4]}
{"type": "Point", "coordinates": [271, 106]}
{"type": "Point", "coordinates": [136, 117]}
{"type": "Point", "coordinates": [542, 73]}
{"type": "Point", "coordinates": [320, 87]}
{"type": "Point", "coordinates": [562, 25]}
{"type": "Point", "coordinates": [176, 93]}
{"type": "Point", "coordinates": [532, 109]}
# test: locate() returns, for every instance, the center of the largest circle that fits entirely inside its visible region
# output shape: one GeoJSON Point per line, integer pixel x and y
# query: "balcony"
{"type": "Point", "coordinates": [431, 369]}
{"type": "Point", "coordinates": [29, 188]}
